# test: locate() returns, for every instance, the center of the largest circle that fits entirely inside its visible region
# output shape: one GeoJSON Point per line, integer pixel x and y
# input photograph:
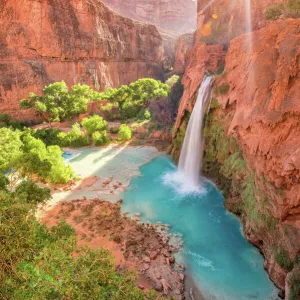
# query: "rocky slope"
{"type": "Point", "coordinates": [43, 41]}
{"type": "Point", "coordinates": [178, 16]}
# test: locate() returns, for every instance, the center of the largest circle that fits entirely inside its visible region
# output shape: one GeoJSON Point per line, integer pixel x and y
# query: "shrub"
{"type": "Point", "coordinates": [224, 88]}
{"type": "Point", "coordinates": [100, 139]}
{"type": "Point", "coordinates": [93, 124]}
{"type": "Point", "coordinates": [50, 136]}
{"type": "Point", "coordinates": [74, 138]}
{"type": "Point", "coordinates": [30, 192]}
{"type": "Point", "coordinates": [110, 111]}
{"type": "Point", "coordinates": [147, 114]}
{"type": "Point", "coordinates": [282, 258]}
{"type": "Point", "coordinates": [34, 256]}
{"type": "Point", "coordinates": [172, 80]}
{"type": "Point", "coordinates": [7, 121]}
{"type": "Point", "coordinates": [125, 132]}
{"type": "Point", "coordinates": [274, 12]}
{"type": "Point", "coordinates": [114, 130]}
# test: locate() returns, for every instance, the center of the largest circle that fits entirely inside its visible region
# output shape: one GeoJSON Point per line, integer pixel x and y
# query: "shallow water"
{"type": "Point", "coordinates": [223, 264]}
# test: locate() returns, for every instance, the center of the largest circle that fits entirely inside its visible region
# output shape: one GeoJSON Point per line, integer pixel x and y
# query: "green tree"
{"type": "Point", "coordinates": [93, 124]}
{"type": "Point", "coordinates": [100, 139]}
{"type": "Point", "coordinates": [125, 132]}
{"type": "Point", "coordinates": [73, 138]}
{"type": "Point", "coordinates": [57, 103]}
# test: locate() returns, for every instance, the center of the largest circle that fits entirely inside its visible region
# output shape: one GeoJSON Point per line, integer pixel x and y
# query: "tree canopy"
{"type": "Point", "coordinates": [58, 103]}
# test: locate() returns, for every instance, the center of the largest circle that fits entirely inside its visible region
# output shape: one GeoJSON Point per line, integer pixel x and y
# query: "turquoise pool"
{"type": "Point", "coordinates": [223, 264]}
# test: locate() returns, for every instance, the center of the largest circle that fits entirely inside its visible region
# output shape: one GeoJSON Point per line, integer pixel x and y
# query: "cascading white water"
{"type": "Point", "coordinates": [190, 162]}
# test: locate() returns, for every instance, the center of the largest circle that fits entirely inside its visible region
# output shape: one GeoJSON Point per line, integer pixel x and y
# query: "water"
{"type": "Point", "coordinates": [223, 264]}
{"type": "Point", "coordinates": [190, 162]}
{"type": "Point", "coordinates": [68, 156]}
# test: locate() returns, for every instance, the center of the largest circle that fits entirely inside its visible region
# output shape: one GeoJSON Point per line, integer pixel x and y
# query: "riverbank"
{"type": "Point", "coordinates": [136, 246]}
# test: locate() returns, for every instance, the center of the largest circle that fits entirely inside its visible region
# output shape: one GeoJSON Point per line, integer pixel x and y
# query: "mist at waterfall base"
{"type": "Point", "coordinates": [215, 252]}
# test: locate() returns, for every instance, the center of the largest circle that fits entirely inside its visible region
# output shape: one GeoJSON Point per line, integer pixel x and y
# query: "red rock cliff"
{"type": "Point", "coordinates": [176, 15]}
{"type": "Point", "coordinates": [264, 85]}
{"type": "Point", "coordinates": [42, 41]}
{"type": "Point", "coordinates": [220, 21]}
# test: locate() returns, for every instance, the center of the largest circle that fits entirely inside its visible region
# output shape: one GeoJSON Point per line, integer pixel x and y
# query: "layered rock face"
{"type": "Point", "coordinates": [79, 41]}
{"type": "Point", "coordinates": [263, 115]}
{"type": "Point", "coordinates": [265, 87]}
{"type": "Point", "coordinates": [220, 21]}
{"type": "Point", "coordinates": [203, 59]}
{"type": "Point", "coordinates": [178, 15]}
{"type": "Point", "coordinates": [182, 51]}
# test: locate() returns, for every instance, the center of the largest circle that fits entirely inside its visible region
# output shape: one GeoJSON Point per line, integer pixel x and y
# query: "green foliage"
{"type": "Point", "coordinates": [7, 121]}
{"type": "Point", "coordinates": [74, 138]}
{"type": "Point", "coordinates": [10, 148]}
{"type": "Point", "coordinates": [58, 103]}
{"type": "Point", "coordinates": [114, 130]}
{"type": "Point", "coordinates": [294, 281]}
{"type": "Point", "coordinates": [125, 132]}
{"type": "Point", "coordinates": [50, 136]}
{"type": "Point", "coordinates": [45, 162]}
{"type": "Point", "coordinates": [29, 192]}
{"type": "Point", "coordinates": [41, 263]}
{"type": "Point", "coordinates": [224, 88]}
{"type": "Point", "coordinates": [23, 155]}
{"type": "Point", "coordinates": [110, 111]}
{"type": "Point", "coordinates": [93, 124]}
{"type": "Point", "coordinates": [131, 99]}
{"type": "Point", "coordinates": [291, 9]}
{"type": "Point", "coordinates": [274, 12]}
{"type": "Point", "coordinates": [147, 114]}
{"type": "Point", "coordinates": [100, 139]}
{"type": "Point", "coordinates": [233, 164]}
{"type": "Point", "coordinates": [282, 258]}
{"type": "Point", "coordinates": [172, 80]}
{"type": "Point", "coordinates": [214, 104]}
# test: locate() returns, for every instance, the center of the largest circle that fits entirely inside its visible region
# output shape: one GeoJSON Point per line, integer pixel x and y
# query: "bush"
{"type": "Point", "coordinates": [114, 130]}
{"type": "Point", "coordinates": [224, 88]}
{"type": "Point", "coordinates": [100, 139]}
{"type": "Point", "coordinates": [93, 124]}
{"type": "Point", "coordinates": [172, 80]}
{"type": "Point", "coordinates": [274, 12]}
{"type": "Point", "coordinates": [74, 138]}
{"type": "Point", "coordinates": [42, 263]}
{"type": "Point", "coordinates": [7, 121]}
{"type": "Point", "coordinates": [30, 192]}
{"type": "Point", "coordinates": [125, 132]}
{"type": "Point", "coordinates": [282, 258]}
{"type": "Point", "coordinates": [50, 136]}
{"type": "Point", "coordinates": [110, 111]}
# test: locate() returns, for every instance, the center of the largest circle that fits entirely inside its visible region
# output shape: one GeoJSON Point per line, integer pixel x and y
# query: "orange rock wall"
{"type": "Point", "coordinates": [202, 58]}
{"type": "Point", "coordinates": [227, 19]}
{"type": "Point", "coordinates": [182, 52]}
{"type": "Point", "coordinates": [264, 85]}
{"type": "Point", "coordinates": [42, 41]}
{"type": "Point", "coordinates": [177, 15]}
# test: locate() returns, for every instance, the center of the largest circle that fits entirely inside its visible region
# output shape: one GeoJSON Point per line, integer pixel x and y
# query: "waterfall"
{"type": "Point", "coordinates": [190, 162]}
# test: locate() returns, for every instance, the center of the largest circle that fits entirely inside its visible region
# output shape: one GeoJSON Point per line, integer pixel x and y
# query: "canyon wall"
{"type": "Point", "coordinates": [220, 21]}
{"type": "Point", "coordinates": [258, 98]}
{"type": "Point", "coordinates": [79, 41]}
{"type": "Point", "coordinates": [178, 15]}
{"type": "Point", "coordinates": [252, 130]}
